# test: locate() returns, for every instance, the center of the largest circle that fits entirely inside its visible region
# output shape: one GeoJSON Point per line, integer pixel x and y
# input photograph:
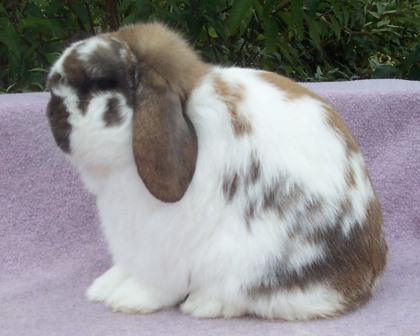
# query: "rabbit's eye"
{"type": "Point", "coordinates": [103, 83]}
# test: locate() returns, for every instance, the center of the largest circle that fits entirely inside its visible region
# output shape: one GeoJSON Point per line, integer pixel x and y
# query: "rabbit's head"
{"type": "Point", "coordinates": [125, 92]}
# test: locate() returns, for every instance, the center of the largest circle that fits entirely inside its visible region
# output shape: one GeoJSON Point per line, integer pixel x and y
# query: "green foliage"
{"type": "Point", "coordinates": [309, 40]}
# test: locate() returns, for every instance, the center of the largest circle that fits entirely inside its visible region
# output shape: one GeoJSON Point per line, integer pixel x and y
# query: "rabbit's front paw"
{"type": "Point", "coordinates": [131, 297]}
{"type": "Point", "coordinates": [106, 284]}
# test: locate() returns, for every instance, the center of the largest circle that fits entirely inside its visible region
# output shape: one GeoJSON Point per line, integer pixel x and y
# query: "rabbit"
{"type": "Point", "coordinates": [225, 191]}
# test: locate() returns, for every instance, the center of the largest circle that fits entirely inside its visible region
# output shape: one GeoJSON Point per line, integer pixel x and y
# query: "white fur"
{"type": "Point", "coordinates": [297, 304]}
{"type": "Point", "coordinates": [89, 46]}
{"type": "Point", "coordinates": [106, 284]}
{"type": "Point", "coordinates": [200, 245]}
{"type": "Point", "coordinates": [304, 253]}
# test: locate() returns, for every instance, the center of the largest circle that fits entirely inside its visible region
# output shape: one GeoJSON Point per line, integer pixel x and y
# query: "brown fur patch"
{"type": "Point", "coordinates": [74, 70]}
{"type": "Point", "coordinates": [111, 68]}
{"type": "Point", "coordinates": [167, 53]}
{"type": "Point", "coordinates": [366, 174]}
{"type": "Point", "coordinates": [54, 79]}
{"type": "Point", "coordinates": [270, 195]}
{"type": "Point", "coordinates": [276, 198]}
{"type": "Point", "coordinates": [352, 262]}
{"type": "Point", "coordinates": [112, 116]}
{"type": "Point", "coordinates": [231, 97]}
{"type": "Point", "coordinates": [337, 123]}
{"type": "Point", "coordinates": [250, 214]}
{"type": "Point", "coordinates": [280, 199]}
{"type": "Point", "coordinates": [292, 89]}
{"type": "Point", "coordinates": [349, 176]}
{"type": "Point", "coordinates": [230, 186]}
{"type": "Point", "coordinates": [255, 169]}
{"type": "Point", "coordinates": [58, 119]}
{"type": "Point", "coordinates": [366, 261]}
{"type": "Point", "coordinates": [84, 101]}
{"type": "Point", "coordinates": [164, 144]}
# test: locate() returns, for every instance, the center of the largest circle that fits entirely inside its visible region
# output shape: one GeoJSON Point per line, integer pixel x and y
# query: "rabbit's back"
{"type": "Point", "coordinates": [292, 204]}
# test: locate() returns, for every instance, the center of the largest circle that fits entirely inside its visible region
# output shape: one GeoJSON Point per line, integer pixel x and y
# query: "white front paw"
{"type": "Point", "coordinates": [106, 284]}
{"type": "Point", "coordinates": [131, 297]}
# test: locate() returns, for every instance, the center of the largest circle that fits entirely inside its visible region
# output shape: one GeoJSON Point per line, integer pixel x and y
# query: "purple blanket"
{"type": "Point", "coordinates": [50, 245]}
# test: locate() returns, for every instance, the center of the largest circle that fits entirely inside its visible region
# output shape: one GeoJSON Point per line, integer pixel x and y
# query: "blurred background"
{"type": "Point", "coordinates": [308, 40]}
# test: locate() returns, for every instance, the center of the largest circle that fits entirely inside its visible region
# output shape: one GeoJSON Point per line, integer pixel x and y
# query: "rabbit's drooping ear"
{"type": "Point", "coordinates": [164, 141]}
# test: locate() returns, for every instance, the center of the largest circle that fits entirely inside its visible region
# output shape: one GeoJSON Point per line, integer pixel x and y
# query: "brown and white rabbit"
{"type": "Point", "coordinates": [229, 191]}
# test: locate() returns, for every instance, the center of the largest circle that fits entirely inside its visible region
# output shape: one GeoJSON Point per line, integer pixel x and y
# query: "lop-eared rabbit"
{"type": "Point", "coordinates": [227, 191]}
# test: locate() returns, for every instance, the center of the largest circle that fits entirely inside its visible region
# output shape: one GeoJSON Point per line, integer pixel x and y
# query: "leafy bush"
{"type": "Point", "coordinates": [309, 40]}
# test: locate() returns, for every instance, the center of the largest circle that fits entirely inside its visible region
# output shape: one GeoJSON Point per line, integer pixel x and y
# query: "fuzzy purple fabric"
{"type": "Point", "coordinates": [51, 250]}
